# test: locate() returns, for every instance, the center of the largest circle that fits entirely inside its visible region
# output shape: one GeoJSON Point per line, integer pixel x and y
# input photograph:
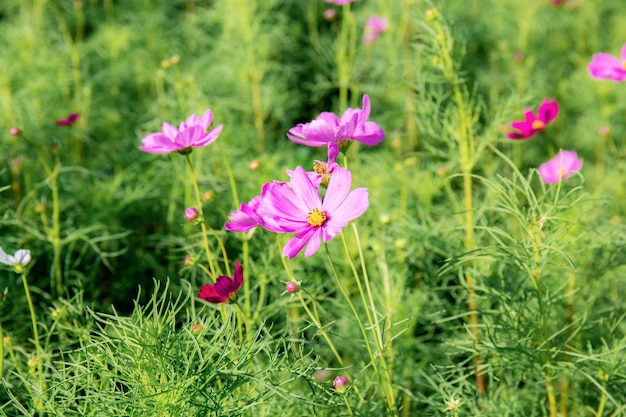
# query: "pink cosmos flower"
{"type": "Point", "coordinates": [339, 2]}
{"type": "Point", "coordinates": [607, 67]}
{"type": "Point", "coordinates": [299, 209]}
{"type": "Point", "coordinates": [192, 133]}
{"type": "Point", "coordinates": [374, 26]}
{"type": "Point", "coordinates": [548, 110]}
{"type": "Point", "coordinates": [224, 289]}
{"type": "Point", "coordinates": [561, 166]}
{"type": "Point", "coordinates": [327, 127]}
{"type": "Point", "coordinates": [69, 120]}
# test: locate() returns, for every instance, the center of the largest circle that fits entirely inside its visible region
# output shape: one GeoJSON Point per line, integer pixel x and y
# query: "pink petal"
{"type": "Point", "coordinates": [548, 111]}
{"type": "Point", "coordinates": [338, 190]}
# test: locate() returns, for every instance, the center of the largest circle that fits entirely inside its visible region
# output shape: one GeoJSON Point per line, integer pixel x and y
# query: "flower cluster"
{"type": "Point", "coordinates": [296, 206]}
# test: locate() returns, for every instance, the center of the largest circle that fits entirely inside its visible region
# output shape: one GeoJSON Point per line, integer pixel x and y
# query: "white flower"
{"type": "Point", "coordinates": [20, 259]}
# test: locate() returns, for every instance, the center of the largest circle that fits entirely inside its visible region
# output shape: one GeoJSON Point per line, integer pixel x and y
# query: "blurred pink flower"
{"type": "Point", "coordinates": [548, 110]}
{"type": "Point", "coordinates": [339, 2]}
{"type": "Point", "coordinates": [69, 120]}
{"type": "Point", "coordinates": [374, 26]}
{"type": "Point", "coordinates": [607, 67]}
{"type": "Point", "coordinates": [329, 14]}
{"type": "Point", "coordinates": [557, 2]}
{"type": "Point", "coordinates": [340, 383]}
{"type": "Point", "coordinates": [299, 209]}
{"type": "Point", "coordinates": [15, 131]}
{"type": "Point", "coordinates": [327, 127]}
{"type": "Point", "coordinates": [224, 289]}
{"type": "Point", "coordinates": [192, 133]}
{"type": "Point", "coordinates": [561, 166]}
{"type": "Point", "coordinates": [191, 214]}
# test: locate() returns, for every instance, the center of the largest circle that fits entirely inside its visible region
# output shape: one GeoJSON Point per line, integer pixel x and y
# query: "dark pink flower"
{"type": "Point", "coordinates": [548, 110]}
{"type": "Point", "coordinates": [327, 127]}
{"type": "Point", "coordinates": [69, 120]}
{"type": "Point", "coordinates": [563, 165]}
{"type": "Point", "coordinates": [224, 289]}
{"type": "Point", "coordinates": [607, 67]}
{"type": "Point", "coordinates": [374, 26]}
{"type": "Point", "coordinates": [192, 133]}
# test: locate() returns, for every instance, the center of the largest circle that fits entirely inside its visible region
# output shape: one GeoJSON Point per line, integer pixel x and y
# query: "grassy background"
{"type": "Point", "coordinates": [264, 66]}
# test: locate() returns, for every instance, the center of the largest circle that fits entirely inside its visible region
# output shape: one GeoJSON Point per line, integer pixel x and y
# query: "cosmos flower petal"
{"type": "Point", "coordinates": [338, 189]}
{"type": "Point", "coordinates": [353, 206]}
{"type": "Point", "coordinates": [548, 111]}
{"type": "Point", "coordinates": [192, 133]}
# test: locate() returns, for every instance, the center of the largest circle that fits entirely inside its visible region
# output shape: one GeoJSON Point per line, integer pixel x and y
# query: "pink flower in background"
{"type": "Point", "coordinates": [607, 67]}
{"type": "Point", "coordinates": [15, 131]}
{"type": "Point", "coordinates": [299, 209]}
{"type": "Point", "coordinates": [224, 289]}
{"type": "Point", "coordinates": [192, 133]}
{"type": "Point", "coordinates": [327, 127]}
{"type": "Point", "coordinates": [69, 120]}
{"type": "Point", "coordinates": [548, 110]}
{"type": "Point", "coordinates": [191, 214]}
{"type": "Point", "coordinates": [329, 14]}
{"type": "Point", "coordinates": [339, 2]}
{"type": "Point", "coordinates": [561, 166]}
{"type": "Point", "coordinates": [557, 2]}
{"type": "Point", "coordinates": [374, 26]}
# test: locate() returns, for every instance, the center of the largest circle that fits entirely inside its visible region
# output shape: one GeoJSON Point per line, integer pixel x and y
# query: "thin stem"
{"type": "Point", "coordinates": [205, 238]}
{"type": "Point", "coordinates": [55, 234]}
{"type": "Point", "coordinates": [33, 318]}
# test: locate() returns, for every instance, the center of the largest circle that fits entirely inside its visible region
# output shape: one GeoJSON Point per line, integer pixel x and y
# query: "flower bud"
{"type": "Point", "coordinates": [15, 131]}
{"type": "Point", "coordinates": [196, 328]}
{"type": "Point", "coordinates": [191, 214]}
{"type": "Point", "coordinates": [340, 383]}
{"type": "Point", "coordinates": [291, 287]}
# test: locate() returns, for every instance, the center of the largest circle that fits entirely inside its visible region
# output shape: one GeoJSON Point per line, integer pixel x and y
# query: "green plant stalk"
{"type": "Point", "coordinates": [33, 318]}
{"type": "Point", "coordinates": [466, 150]}
{"type": "Point", "coordinates": [314, 316]}
{"type": "Point", "coordinates": [344, 56]}
{"type": "Point", "coordinates": [536, 275]}
{"type": "Point", "coordinates": [205, 238]}
{"type": "Point", "coordinates": [254, 73]}
{"type": "Point", "coordinates": [55, 233]}
{"type": "Point", "coordinates": [1, 351]}
{"type": "Point", "coordinates": [383, 377]}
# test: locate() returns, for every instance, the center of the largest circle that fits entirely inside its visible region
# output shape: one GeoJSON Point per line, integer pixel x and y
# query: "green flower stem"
{"type": "Point", "coordinates": [467, 156]}
{"type": "Point", "coordinates": [205, 238]}
{"type": "Point", "coordinates": [383, 377]}
{"type": "Point", "coordinates": [345, 51]}
{"type": "Point", "coordinates": [372, 315]}
{"type": "Point", "coordinates": [314, 316]}
{"type": "Point", "coordinates": [33, 318]}
{"type": "Point", "coordinates": [55, 233]}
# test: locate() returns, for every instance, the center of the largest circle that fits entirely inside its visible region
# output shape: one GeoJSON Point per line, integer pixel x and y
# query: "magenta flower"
{"type": "Point", "coordinates": [561, 166]}
{"type": "Point", "coordinates": [548, 110]}
{"type": "Point", "coordinates": [607, 67]}
{"type": "Point", "coordinates": [192, 133]}
{"type": "Point", "coordinates": [299, 209]}
{"type": "Point", "coordinates": [224, 289]}
{"type": "Point", "coordinates": [69, 120]}
{"type": "Point", "coordinates": [246, 218]}
{"type": "Point", "coordinates": [327, 127]}
{"type": "Point", "coordinates": [374, 26]}
{"type": "Point", "coordinates": [339, 2]}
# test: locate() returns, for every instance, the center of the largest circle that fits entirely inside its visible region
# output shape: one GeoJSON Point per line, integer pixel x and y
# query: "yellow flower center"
{"type": "Point", "coordinates": [316, 218]}
{"type": "Point", "coordinates": [319, 168]}
{"type": "Point", "coordinates": [538, 124]}
{"type": "Point", "coordinates": [563, 172]}
{"type": "Point", "coordinates": [624, 65]}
